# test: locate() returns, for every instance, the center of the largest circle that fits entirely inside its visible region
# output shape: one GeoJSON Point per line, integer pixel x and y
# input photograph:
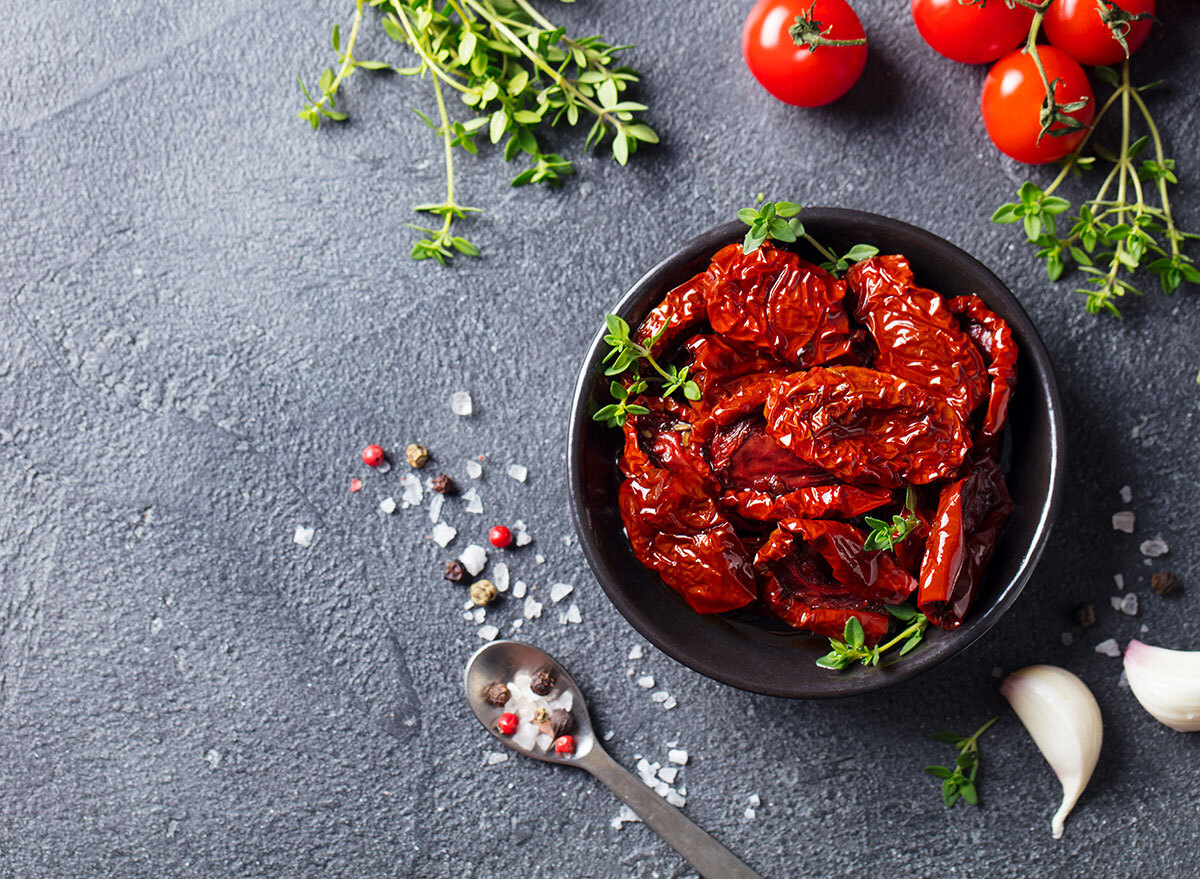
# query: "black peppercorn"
{"type": "Point", "coordinates": [561, 722]}
{"type": "Point", "coordinates": [495, 694]}
{"type": "Point", "coordinates": [455, 570]}
{"type": "Point", "coordinates": [542, 683]}
{"type": "Point", "coordinates": [443, 484]}
{"type": "Point", "coordinates": [1164, 582]}
{"type": "Point", "coordinates": [1085, 615]}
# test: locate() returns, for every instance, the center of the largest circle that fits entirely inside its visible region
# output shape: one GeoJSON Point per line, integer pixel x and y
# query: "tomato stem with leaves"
{"type": "Point", "coordinates": [960, 781]}
{"type": "Point", "coordinates": [807, 31]}
{"type": "Point", "coordinates": [852, 648]}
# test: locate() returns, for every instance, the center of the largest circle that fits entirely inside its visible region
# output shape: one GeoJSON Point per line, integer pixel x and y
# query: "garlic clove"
{"type": "Point", "coordinates": [1062, 717]}
{"type": "Point", "coordinates": [1166, 682]}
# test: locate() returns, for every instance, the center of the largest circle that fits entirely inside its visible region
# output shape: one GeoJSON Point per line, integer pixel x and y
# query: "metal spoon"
{"type": "Point", "coordinates": [501, 661]}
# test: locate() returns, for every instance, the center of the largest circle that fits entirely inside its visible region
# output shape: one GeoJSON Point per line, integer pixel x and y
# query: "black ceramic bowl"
{"type": "Point", "coordinates": [752, 653]}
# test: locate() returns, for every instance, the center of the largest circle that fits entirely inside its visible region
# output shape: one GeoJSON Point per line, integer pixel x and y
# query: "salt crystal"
{"type": "Point", "coordinates": [304, 536]}
{"type": "Point", "coordinates": [559, 591]}
{"type": "Point", "coordinates": [1123, 681]}
{"type": "Point", "coordinates": [636, 652]}
{"type": "Point", "coordinates": [678, 756]}
{"type": "Point", "coordinates": [661, 788]}
{"type": "Point", "coordinates": [493, 758]}
{"type": "Point", "coordinates": [474, 504]}
{"type": "Point", "coordinates": [672, 744]}
{"type": "Point", "coordinates": [659, 696]}
{"type": "Point", "coordinates": [383, 467]}
{"type": "Point", "coordinates": [520, 525]}
{"type": "Point", "coordinates": [540, 559]}
{"type": "Point", "coordinates": [435, 507]}
{"type": "Point", "coordinates": [1119, 579]}
{"type": "Point", "coordinates": [755, 801]}
{"type": "Point", "coordinates": [411, 483]}
{"type": "Point", "coordinates": [212, 757]}
{"type": "Point", "coordinates": [1144, 629]}
{"type": "Point", "coordinates": [1126, 494]}
{"type": "Point", "coordinates": [670, 703]}
{"type": "Point", "coordinates": [573, 614]}
{"type": "Point", "coordinates": [488, 632]}
{"type": "Point", "coordinates": [625, 816]}
{"type": "Point", "coordinates": [516, 624]}
{"type": "Point", "coordinates": [1154, 547]}
{"type": "Point", "coordinates": [1123, 521]}
{"type": "Point", "coordinates": [500, 576]}
{"type": "Point", "coordinates": [443, 534]}
{"type": "Point", "coordinates": [1068, 639]}
{"type": "Point", "coordinates": [750, 814]}
{"type": "Point", "coordinates": [387, 505]}
{"type": "Point", "coordinates": [468, 615]}
{"type": "Point", "coordinates": [523, 538]}
{"type": "Point", "coordinates": [533, 609]}
{"type": "Point", "coordinates": [480, 614]}
{"type": "Point", "coordinates": [544, 741]}
{"type": "Point", "coordinates": [1115, 601]}
{"type": "Point", "coordinates": [519, 589]}
{"type": "Point", "coordinates": [474, 469]}
{"type": "Point", "coordinates": [1129, 604]}
{"type": "Point", "coordinates": [474, 558]}
{"type": "Point", "coordinates": [566, 539]}
{"type": "Point", "coordinates": [676, 800]}
{"type": "Point", "coordinates": [668, 774]}
{"type": "Point", "coordinates": [608, 736]}
{"type": "Point", "coordinates": [646, 682]}
{"type": "Point", "coordinates": [1109, 647]}
{"type": "Point", "coordinates": [460, 403]}
{"type": "Point", "coordinates": [156, 625]}
{"type": "Point", "coordinates": [517, 472]}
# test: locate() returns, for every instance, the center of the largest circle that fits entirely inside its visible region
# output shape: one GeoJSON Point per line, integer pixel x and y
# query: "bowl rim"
{"type": "Point", "coordinates": [974, 628]}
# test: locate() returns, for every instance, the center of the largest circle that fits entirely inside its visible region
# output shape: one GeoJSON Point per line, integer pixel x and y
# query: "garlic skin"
{"type": "Point", "coordinates": [1167, 683]}
{"type": "Point", "coordinates": [1062, 717]}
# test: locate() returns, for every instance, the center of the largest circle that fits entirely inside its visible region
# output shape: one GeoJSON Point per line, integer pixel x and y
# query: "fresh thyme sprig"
{"type": "Point", "coordinates": [885, 535]}
{"type": "Point", "coordinates": [624, 352]}
{"type": "Point", "coordinates": [960, 781]}
{"type": "Point", "coordinates": [517, 71]}
{"type": "Point", "coordinates": [778, 221]}
{"type": "Point", "coordinates": [852, 648]}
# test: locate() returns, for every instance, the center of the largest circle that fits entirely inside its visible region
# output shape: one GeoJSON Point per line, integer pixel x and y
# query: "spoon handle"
{"type": "Point", "coordinates": [712, 859]}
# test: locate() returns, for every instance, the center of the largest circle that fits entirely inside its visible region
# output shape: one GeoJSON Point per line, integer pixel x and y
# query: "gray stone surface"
{"type": "Point", "coordinates": [208, 310]}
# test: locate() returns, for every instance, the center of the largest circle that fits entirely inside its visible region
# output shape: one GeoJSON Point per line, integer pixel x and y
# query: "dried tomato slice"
{"type": "Point", "coordinates": [866, 426]}
{"type": "Point", "coordinates": [682, 309]}
{"type": "Point", "coordinates": [964, 533]}
{"type": "Point", "coordinates": [917, 335]}
{"type": "Point", "coordinates": [815, 501]}
{"type": "Point", "coordinates": [713, 359]}
{"type": "Point", "coordinates": [871, 575]}
{"type": "Point", "coordinates": [995, 339]}
{"type": "Point", "coordinates": [778, 303]}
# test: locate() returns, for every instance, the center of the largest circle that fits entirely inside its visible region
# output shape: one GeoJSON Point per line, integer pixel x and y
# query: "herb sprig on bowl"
{"type": "Point", "coordinates": [885, 535]}
{"type": "Point", "coordinates": [625, 353]}
{"type": "Point", "coordinates": [517, 71]}
{"type": "Point", "coordinates": [853, 647]}
{"type": "Point", "coordinates": [779, 221]}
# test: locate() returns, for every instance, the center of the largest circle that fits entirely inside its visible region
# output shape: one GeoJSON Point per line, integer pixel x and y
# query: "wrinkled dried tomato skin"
{"type": "Point", "coordinates": [963, 535]}
{"type": "Point", "coordinates": [865, 426]}
{"type": "Point", "coordinates": [993, 337]}
{"type": "Point", "coordinates": [778, 303]}
{"type": "Point", "coordinates": [917, 335]}
{"type": "Point", "coordinates": [820, 403]}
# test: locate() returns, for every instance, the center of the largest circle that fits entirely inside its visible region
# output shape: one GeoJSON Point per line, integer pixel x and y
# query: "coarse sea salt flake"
{"type": "Point", "coordinates": [646, 682]}
{"type": "Point", "coordinates": [520, 525]}
{"type": "Point", "coordinates": [625, 816]}
{"type": "Point", "coordinates": [488, 632]}
{"type": "Point", "coordinates": [1115, 601]}
{"type": "Point", "coordinates": [500, 576]}
{"type": "Point", "coordinates": [1109, 647]}
{"type": "Point", "coordinates": [460, 403]}
{"type": "Point", "coordinates": [1126, 494]}
{"type": "Point", "coordinates": [474, 558]}
{"type": "Point", "coordinates": [670, 703]}
{"type": "Point", "coordinates": [755, 801]}
{"type": "Point", "coordinates": [559, 591]}
{"type": "Point", "coordinates": [435, 507]}
{"type": "Point", "coordinates": [540, 559]}
{"type": "Point", "coordinates": [474, 469]}
{"type": "Point", "coordinates": [1129, 604]}
{"type": "Point", "coordinates": [533, 609]}
{"type": "Point", "coordinates": [677, 800]}
{"type": "Point", "coordinates": [573, 614]}
{"type": "Point", "coordinates": [411, 483]}
{"type": "Point", "coordinates": [303, 536]}
{"type": "Point", "coordinates": [468, 615]}
{"type": "Point", "coordinates": [659, 696]}
{"type": "Point", "coordinates": [443, 534]}
{"type": "Point", "coordinates": [1123, 521]}
{"type": "Point", "coordinates": [517, 472]}
{"type": "Point", "coordinates": [750, 814]}
{"type": "Point", "coordinates": [661, 788]}
{"type": "Point", "coordinates": [519, 589]}
{"type": "Point", "coordinates": [480, 614]}
{"type": "Point", "coordinates": [608, 736]}
{"type": "Point", "coordinates": [387, 505]}
{"type": "Point", "coordinates": [668, 774]}
{"type": "Point", "coordinates": [474, 504]}
{"type": "Point", "coordinates": [635, 652]}
{"type": "Point", "coordinates": [493, 758]}
{"type": "Point", "coordinates": [523, 538]}
{"type": "Point", "coordinates": [678, 756]}
{"type": "Point", "coordinates": [1119, 579]}
{"type": "Point", "coordinates": [1154, 547]}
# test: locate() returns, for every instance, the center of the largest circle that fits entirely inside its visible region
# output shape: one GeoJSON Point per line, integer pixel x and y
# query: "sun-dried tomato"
{"type": "Point", "coordinates": [778, 303]}
{"type": "Point", "coordinates": [995, 339]}
{"type": "Point", "coordinates": [874, 576]}
{"type": "Point", "coordinates": [682, 308]}
{"type": "Point", "coordinates": [964, 533]}
{"type": "Point", "coordinates": [917, 335]}
{"type": "Point", "coordinates": [863, 425]}
{"type": "Point", "coordinates": [815, 501]}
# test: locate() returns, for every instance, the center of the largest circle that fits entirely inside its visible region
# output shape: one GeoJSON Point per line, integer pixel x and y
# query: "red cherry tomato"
{"type": "Point", "coordinates": [500, 536]}
{"type": "Point", "coordinates": [972, 34]}
{"type": "Point", "coordinates": [1075, 26]}
{"type": "Point", "coordinates": [798, 74]}
{"type": "Point", "coordinates": [1012, 101]}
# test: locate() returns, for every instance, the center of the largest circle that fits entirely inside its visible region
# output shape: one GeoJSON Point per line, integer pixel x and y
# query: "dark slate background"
{"type": "Point", "coordinates": [208, 310]}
